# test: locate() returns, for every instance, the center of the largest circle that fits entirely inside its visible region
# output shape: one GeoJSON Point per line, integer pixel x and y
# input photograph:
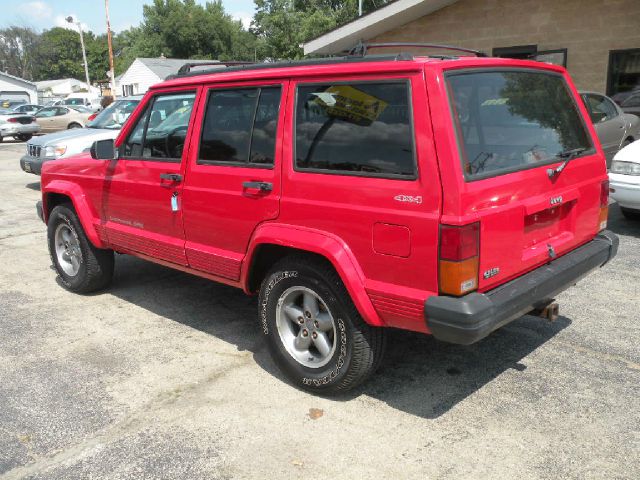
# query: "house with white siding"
{"type": "Point", "coordinates": [15, 88]}
{"type": "Point", "coordinates": [145, 72]}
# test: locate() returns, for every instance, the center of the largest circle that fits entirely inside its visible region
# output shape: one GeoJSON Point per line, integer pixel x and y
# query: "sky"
{"type": "Point", "coordinates": [43, 14]}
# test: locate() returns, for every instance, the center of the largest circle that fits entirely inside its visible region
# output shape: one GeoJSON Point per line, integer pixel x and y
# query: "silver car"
{"type": "Point", "coordinates": [17, 125]}
{"type": "Point", "coordinates": [615, 128]}
{"type": "Point", "coordinates": [106, 125]}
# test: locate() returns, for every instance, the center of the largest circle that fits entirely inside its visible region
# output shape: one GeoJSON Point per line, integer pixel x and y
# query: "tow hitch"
{"type": "Point", "coordinates": [549, 312]}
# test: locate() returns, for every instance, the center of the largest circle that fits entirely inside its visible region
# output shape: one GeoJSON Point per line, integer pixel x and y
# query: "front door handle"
{"type": "Point", "coordinates": [174, 177]}
{"type": "Point", "coordinates": [262, 186]}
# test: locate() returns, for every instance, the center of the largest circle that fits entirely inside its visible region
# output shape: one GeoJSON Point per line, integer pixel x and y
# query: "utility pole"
{"type": "Point", "coordinates": [360, 8]}
{"type": "Point", "coordinates": [84, 53]}
{"type": "Point", "coordinates": [111, 69]}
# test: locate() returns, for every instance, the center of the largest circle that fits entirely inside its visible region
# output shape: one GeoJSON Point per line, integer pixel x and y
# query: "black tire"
{"type": "Point", "coordinates": [359, 347]}
{"type": "Point", "coordinates": [24, 137]}
{"type": "Point", "coordinates": [96, 265]}
{"type": "Point", "coordinates": [1, 139]}
{"type": "Point", "coordinates": [74, 125]}
{"type": "Point", "coordinates": [630, 213]}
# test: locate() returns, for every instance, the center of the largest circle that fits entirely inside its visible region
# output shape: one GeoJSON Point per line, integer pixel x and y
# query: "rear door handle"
{"type": "Point", "coordinates": [262, 186]}
{"type": "Point", "coordinates": [174, 177]}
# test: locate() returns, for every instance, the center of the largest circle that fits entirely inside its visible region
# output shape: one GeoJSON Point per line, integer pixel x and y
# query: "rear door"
{"type": "Point", "coordinates": [515, 127]}
{"type": "Point", "coordinates": [233, 178]}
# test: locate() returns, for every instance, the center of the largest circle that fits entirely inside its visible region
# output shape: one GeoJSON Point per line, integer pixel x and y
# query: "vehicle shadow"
{"type": "Point", "coordinates": [419, 375]}
{"type": "Point", "coordinates": [33, 186]}
{"type": "Point", "coordinates": [618, 224]}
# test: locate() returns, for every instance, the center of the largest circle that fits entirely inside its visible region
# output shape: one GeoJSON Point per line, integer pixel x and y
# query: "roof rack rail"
{"type": "Point", "coordinates": [237, 66]}
{"type": "Point", "coordinates": [362, 48]}
{"type": "Point", "coordinates": [186, 68]}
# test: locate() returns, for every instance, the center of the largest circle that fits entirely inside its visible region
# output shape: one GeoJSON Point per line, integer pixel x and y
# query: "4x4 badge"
{"type": "Point", "coordinates": [408, 199]}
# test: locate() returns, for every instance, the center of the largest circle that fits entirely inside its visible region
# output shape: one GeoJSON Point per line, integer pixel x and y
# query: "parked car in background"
{"type": "Point", "coordinates": [29, 108]}
{"type": "Point", "coordinates": [615, 128]}
{"type": "Point", "coordinates": [11, 104]}
{"type": "Point", "coordinates": [631, 104]}
{"type": "Point", "coordinates": [17, 125]}
{"type": "Point", "coordinates": [624, 180]}
{"type": "Point", "coordinates": [54, 119]}
{"type": "Point", "coordinates": [106, 124]}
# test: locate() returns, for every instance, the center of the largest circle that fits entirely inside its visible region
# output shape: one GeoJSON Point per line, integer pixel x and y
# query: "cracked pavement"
{"type": "Point", "coordinates": [165, 375]}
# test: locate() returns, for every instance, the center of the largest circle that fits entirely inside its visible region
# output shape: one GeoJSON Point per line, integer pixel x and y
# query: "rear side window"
{"type": "Point", "coordinates": [513, 120]}
{"type": "Point", "coordinates": [355, 128]}
{"type": "Point", "coordinates": [240, 126]}
{"type": "Point", "coordinates": [600, 108]}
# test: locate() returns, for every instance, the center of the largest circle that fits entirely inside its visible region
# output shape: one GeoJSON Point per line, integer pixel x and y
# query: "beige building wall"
{"type": "Point", "coordinates": [589, 29]}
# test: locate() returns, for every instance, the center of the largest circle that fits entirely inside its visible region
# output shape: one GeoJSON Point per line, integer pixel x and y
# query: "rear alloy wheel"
{"type": "Point", "coordinates": [314, 332]}
{"type": "Point", "coordinates": [81, 267]}
{"type": "Point", "coordinates": [630, 213]}
{"type": "Point", "coordinates": [24, 137]}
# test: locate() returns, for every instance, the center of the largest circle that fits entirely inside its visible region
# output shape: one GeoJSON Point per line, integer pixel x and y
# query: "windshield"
{"type": "Point", "coordinates": [509, 121]}
{"type": "Point", "coordinates": [177, 118]}
{"type": "Point", "coordinates": [114, 116]}
{"type": "Point", "coordinates": [74, 101]}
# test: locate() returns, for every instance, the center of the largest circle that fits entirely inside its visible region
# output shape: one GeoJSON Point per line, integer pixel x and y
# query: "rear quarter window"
{"type": "Point", "coordinates": [359, 128]}
{"type": "Point", "coordinates": [513, 120]}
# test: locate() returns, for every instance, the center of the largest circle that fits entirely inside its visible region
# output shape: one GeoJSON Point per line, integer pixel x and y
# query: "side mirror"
{"type": "Point", "coordinates": [104, 150]}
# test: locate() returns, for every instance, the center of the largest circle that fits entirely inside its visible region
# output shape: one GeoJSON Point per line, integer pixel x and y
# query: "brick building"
{"type": "Point", "coordinates": [597, 40]}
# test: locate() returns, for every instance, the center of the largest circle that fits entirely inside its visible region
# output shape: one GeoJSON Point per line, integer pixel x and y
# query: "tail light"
{"type": "Point", "coordinates": [604, 205]}
{"type": "Point", "coordinates": [12, 120]}
{"type": "Point", "coordinates": [459, 258]}
{"type": "Point", "coordinates": [92, 116]}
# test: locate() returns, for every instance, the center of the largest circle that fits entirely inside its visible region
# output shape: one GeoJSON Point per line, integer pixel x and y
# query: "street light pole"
{"type": "Point", "coordinates": [84, 53]}
{"type": "Point", "coordinates": [111, 69]}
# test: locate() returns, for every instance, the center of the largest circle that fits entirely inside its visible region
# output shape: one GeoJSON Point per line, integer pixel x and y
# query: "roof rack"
{"type": "Point", "coordinates": [362, 48]}
{"type": "Point", "coordinates": [186, 68]}
{"type": "Point", "coordinates": [185, 71]}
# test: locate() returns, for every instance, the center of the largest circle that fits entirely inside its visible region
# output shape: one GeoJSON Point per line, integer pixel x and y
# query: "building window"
{"type": "Point", "coordinates": [624, 73]}
{"type": "Point", "coordinates": [524, 52]}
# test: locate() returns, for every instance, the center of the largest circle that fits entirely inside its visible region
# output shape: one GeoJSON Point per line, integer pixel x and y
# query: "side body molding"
{"type": "Point", "coordinates": [322, 243]}
{"type": "Point", "coordinates": [80, 204]}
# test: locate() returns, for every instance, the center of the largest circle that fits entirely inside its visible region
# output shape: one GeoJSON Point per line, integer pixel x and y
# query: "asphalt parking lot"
{"type": "Point", "coordinates": [165, 376]}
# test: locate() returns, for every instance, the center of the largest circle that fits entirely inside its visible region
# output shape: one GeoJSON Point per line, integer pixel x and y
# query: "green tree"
{"type": "Point", "coordinates": [18, 51]}
{"type": "Point", "coordinates": [281, 26]}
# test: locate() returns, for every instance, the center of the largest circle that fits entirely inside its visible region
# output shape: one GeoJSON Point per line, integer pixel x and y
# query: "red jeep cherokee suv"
{"type": "Point", "coordinates": [443, 195]}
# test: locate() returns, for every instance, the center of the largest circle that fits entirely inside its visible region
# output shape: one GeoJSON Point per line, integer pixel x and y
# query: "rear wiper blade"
{"type": "Point", "coordinates": [568, 155]}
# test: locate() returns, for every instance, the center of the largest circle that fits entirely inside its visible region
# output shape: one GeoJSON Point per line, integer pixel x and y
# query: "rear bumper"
{"type": "Point", "coordinates": [467, 319]}
{"type": "Point", "coordinates": [11, 129]}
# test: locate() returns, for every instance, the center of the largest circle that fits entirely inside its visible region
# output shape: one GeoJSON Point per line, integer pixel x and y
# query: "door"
{"type": "Point", "coordinates": [143, 205]}
{"type": "Point", "coordinates": [515, 129]}
{"type": "Point", "coordinates": [233, 178]}
{"type": "Point", "coordinates": [47, 117]}
{"type": "Point", "coordinates": [608, 122]}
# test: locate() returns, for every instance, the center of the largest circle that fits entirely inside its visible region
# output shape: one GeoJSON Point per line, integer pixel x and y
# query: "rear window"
{"type": "Point", "coordinates": [513, 120]}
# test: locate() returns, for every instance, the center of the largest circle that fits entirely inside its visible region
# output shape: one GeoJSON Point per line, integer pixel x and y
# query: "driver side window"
{"type": "Point", "coordinates": [161, 131]}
